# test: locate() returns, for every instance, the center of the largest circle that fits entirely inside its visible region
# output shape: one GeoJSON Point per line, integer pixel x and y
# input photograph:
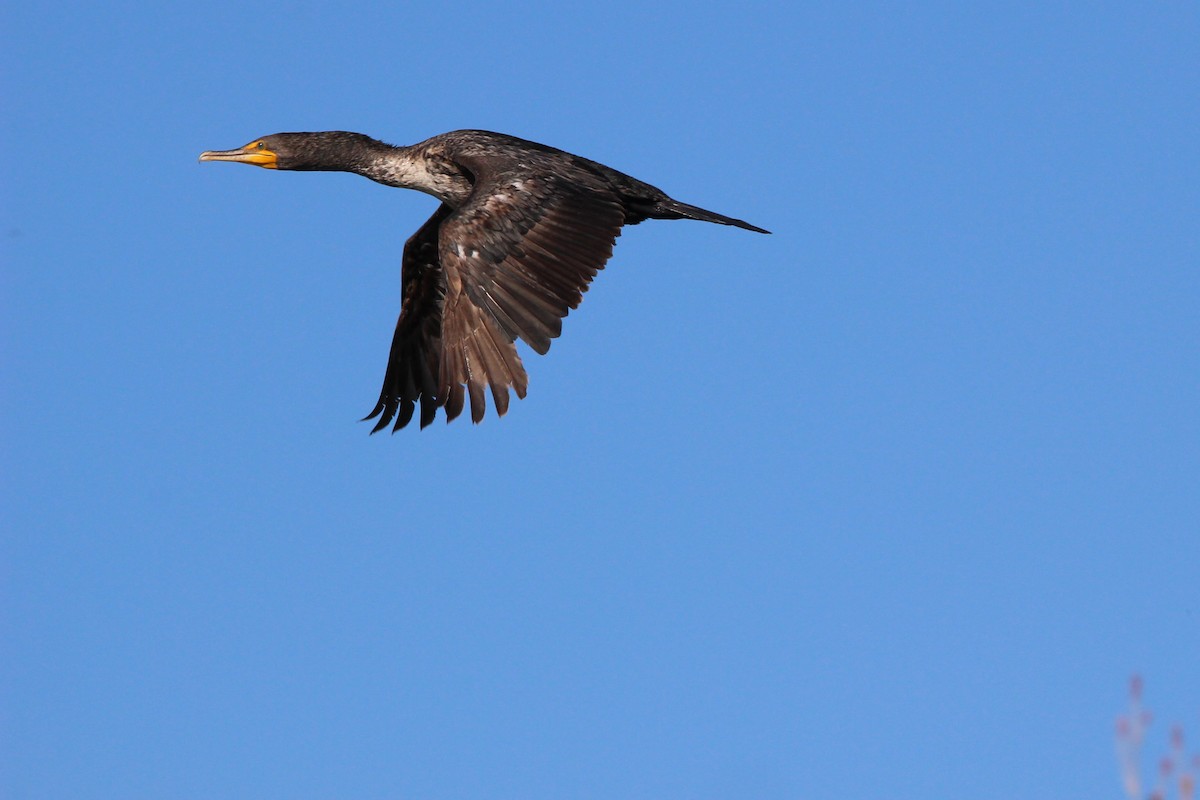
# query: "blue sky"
{"type": "Point", "coordinates": [887, 504]}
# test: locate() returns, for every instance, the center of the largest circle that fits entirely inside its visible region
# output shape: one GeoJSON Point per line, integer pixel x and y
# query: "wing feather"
{"type": "Point", "coordinates": [508, 264]}
{"type": "Point", "coordinates": [413, 359]}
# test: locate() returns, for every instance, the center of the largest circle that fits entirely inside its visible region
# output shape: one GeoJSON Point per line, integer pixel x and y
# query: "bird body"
{"type": "Point", "coordinates": [521, 231]}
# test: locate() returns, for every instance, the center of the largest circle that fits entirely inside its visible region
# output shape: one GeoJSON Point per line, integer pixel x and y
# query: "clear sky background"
{"type": "Point", "coordinates": [887, 504]}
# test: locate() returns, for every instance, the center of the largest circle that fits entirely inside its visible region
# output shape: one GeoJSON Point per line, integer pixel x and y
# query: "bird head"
{"type": "Point", "coordinates": [327, 150]}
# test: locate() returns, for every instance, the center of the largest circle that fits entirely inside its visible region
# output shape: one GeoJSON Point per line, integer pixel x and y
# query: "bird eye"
{"type": "Point", "coordinates": [261, 145]}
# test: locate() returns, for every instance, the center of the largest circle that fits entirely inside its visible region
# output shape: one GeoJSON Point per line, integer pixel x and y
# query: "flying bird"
{"type": "Point", "coordinates": [521, 231]}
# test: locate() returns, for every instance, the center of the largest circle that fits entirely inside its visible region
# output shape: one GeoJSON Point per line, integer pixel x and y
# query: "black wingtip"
{"type": "Point", "coordinates": [380, 411]}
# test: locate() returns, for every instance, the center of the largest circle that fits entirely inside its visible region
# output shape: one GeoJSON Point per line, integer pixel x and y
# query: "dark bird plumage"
{"type": "Point", "coordinates": [521, 231]}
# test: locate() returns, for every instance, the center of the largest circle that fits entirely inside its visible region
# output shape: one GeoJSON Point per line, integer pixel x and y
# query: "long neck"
{"type": "Point", "coordinates": [412, 168]}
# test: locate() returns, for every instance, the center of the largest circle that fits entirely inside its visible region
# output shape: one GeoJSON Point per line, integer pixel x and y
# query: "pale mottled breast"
{"type": "Point", "coordinates": [427, 170]}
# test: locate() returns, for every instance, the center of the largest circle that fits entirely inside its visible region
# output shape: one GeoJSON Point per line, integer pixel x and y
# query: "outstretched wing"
{"type": "Point", "coordinates": [510, 263]}
{"type": "Point", "coordinates": [517, 256]}
{"type": "Point", "coordinates": [414, 362]}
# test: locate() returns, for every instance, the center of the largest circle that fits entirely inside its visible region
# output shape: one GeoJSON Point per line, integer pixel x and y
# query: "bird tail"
{"type": "Point", "coordinates": [673, 209]}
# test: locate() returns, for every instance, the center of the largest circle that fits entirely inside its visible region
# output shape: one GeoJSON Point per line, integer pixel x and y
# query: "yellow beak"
{"type": "Point", "coordinates": [253, 153]}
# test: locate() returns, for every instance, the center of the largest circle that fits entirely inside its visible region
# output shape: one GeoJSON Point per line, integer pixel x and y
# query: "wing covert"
{"type": "Point", "coordinates": [526, 248]}
{"type": "Point", "coordinates": [510, 263]}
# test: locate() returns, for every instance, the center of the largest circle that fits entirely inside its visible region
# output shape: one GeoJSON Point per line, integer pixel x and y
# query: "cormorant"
{"type": "Point", "coordinates": [521, 231]}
